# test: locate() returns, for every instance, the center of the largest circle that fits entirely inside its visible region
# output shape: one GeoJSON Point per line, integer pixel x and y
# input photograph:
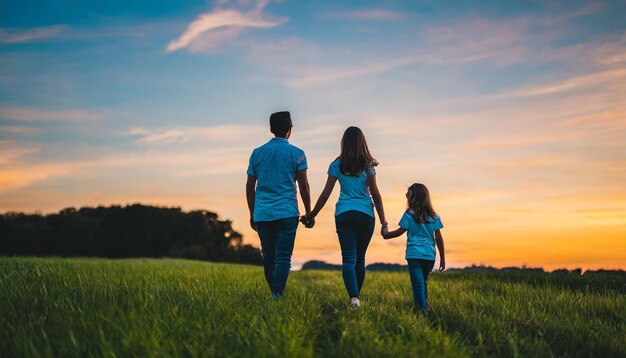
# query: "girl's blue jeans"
{"type": "Point", "coordinates": [355, 230]}
{"type": "Point", "coordinates": [419, 270]}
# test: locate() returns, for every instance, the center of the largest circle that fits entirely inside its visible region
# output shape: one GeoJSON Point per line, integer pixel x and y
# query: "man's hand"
{"type": "Point", "coordinates": [308, 222]}
{"type": "Point", "coordinates": [442, 265]}
{"type": "Point", "coordinates": [252, 224]}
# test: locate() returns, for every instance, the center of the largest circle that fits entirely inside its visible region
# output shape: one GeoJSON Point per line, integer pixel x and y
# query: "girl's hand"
{"type": "Point", "coordinates": [442, 265]}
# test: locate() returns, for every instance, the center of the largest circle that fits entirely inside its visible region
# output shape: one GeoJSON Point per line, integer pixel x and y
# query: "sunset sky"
{"type": "Point", "coordinates": [513, 113]}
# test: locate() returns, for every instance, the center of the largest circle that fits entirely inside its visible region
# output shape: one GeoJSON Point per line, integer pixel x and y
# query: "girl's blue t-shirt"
{"type": "Point", "coordinates": [355, 194]}
{"type": "Point", "coordinates": [420, 238]}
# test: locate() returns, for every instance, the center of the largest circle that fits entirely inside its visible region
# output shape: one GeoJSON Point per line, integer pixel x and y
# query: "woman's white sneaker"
{"type": "Point", "coordinates": [355, 302]}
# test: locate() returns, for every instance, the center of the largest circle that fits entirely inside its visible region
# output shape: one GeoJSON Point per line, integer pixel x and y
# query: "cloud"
{"type": "Point", "coordinates": [18, 130]}
{"type": "Point", "coordinates": [18, 172]}
{"type": "Point", "coordinates": [502, 42]}
{"type": "Point", "coordinates": [209, 151]}
{"type": "Point", "coordinates": [542, 161]}
{"type": "Point", "coordinates": [20, 36]}
{"type": "Point", "coordinates": [222, 134]}
{"type": "Point", "coordinates": [217, 27]}
{"type": "Point", "coordinates": [573, 83]}
{"type": "Point", "coordinates": [521, 141]}
{"type": "Point", "coordinates": [309, 65]}
{"type": "Point", "coordinates": [9, 152]}
{"type": "Point", "coordinates": [607, 53]}
{"type": "Point", "coordinates": [367, 14]}
{"type": "Point", "coordinates": [320, 76]}
{"type": "Point", "coordinates": [36, 114]}
{"type": "Point", "coordinates": [590, 9]}
{"type": "Point", "coordinates": [310, 77]}
{"type": "Point", "coordinates": [612, 120]}
{"type": "Point", "coordinates": [14, 179]}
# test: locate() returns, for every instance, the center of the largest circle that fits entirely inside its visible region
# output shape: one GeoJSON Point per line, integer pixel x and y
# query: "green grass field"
{"type": "Point", "coordinates": [97, 307]}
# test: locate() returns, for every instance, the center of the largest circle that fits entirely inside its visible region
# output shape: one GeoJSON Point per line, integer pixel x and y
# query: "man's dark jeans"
{"type": "Point", "coordinates": [277, 239]}
{"type": "Point", "coordinates": [355, 230]}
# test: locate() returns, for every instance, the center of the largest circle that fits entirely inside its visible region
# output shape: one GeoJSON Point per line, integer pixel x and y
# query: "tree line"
{"type": "Point", "coordinates": [121, 232]}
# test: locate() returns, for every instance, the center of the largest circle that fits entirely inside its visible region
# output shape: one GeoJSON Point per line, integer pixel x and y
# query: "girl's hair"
{"type": "Point", "coordinates": [355, 156]}
{"type": "Point", "coordinates": [419, 202]}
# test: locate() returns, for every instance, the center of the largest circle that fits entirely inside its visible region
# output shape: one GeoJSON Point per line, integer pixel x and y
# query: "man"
{"type": "Point", "coordinates": [272, 199]}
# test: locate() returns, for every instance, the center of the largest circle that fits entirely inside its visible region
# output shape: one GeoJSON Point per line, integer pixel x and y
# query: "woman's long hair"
{"type": "Point", "coordinates": [355, 156]}
{"type": "Point", "coordinates": [419, 202]}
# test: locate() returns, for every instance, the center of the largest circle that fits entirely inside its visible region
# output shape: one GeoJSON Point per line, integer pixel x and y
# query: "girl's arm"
{"type": "Point", "coordinates": [391, 234]}
{"type": "Point", "coordinates": [321, 201]}
{"type": "Point", "coordinates": [378, 200]}
{"type": "Point", "coordinates": [442, 252]}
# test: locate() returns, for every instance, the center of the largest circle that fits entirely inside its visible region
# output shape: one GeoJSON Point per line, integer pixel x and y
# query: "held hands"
{"type": "Point", "coordinates": [252, 224]}
{"type": "Point", "coordinates": [308, 221]}
{"type": "Point", "coordinates": [384, 230]}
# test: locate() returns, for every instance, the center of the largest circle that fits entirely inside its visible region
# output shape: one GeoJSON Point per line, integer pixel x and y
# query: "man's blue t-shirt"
{"type": "Point", "coordinates": [420, 238]}
{"type": "Point", "coordinates": [275, 164]}
{"type": "Point", "coordinates": [355, 194]}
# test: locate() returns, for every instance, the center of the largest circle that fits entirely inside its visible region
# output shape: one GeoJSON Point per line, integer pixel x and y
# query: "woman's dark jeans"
{"type": "Point", "coordinates": [419, 270]}
{"type": "Point", "coordinates": [277, 238]}
{"type": "Point", "coordinates": [355, 230]}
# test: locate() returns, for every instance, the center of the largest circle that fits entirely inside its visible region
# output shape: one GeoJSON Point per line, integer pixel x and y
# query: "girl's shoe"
{"type": "Point", "coordinates": [355, 302]}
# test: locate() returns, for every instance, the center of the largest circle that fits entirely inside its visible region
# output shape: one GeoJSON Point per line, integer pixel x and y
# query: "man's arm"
{"type": "Point", "coordinates": [251, 195]}
{"type": "Point", "coordinates": [305, 190]}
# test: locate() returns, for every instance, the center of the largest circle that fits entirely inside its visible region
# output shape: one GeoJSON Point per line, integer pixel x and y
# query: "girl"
{"type": "Point", "coordinates": [423, 226]}
{"type": "Point", "coordinates": [354, 213]}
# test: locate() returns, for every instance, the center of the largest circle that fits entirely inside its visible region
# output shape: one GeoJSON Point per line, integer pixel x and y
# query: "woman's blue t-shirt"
{"type": "Point", "coordinates": [355, 194]}
{"type": "Point", "coordinates": [420, 238]}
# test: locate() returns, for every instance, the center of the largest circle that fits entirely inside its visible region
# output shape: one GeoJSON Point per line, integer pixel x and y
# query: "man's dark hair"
{"type": "Point", "coordinates": [280, 123]}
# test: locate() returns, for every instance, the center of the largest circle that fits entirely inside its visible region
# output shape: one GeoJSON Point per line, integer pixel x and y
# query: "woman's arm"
{"type": "Point", "coordinates": [442, 252]}
{"type": "Point", "coordinates": [321, 201]}
{"type": "Point", "coordinates": [391, 234]}
{"type": "Point", "coordinates": [378, 200]}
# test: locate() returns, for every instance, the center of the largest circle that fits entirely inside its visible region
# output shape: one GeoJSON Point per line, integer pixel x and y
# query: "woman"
{"type": "Point", "coordinates": [354, 213]}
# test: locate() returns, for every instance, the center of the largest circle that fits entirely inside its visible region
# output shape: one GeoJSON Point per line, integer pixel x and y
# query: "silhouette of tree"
{"type": "Point", "coordinates": [131, 231]}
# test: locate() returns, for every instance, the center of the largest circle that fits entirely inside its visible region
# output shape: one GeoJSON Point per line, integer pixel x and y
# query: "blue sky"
{"type": "Point", "coordinates": [512, 112]}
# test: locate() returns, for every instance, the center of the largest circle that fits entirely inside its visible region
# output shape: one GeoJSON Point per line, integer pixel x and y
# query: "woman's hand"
{"type": "Point", "coordinates": [384, 231]}
{"type": "Point", "coordinates": [442, 265]}
{"type": "Point", "coordinates": [308, 220]}
{"type": "Point", "coordinates": [391, 234]}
